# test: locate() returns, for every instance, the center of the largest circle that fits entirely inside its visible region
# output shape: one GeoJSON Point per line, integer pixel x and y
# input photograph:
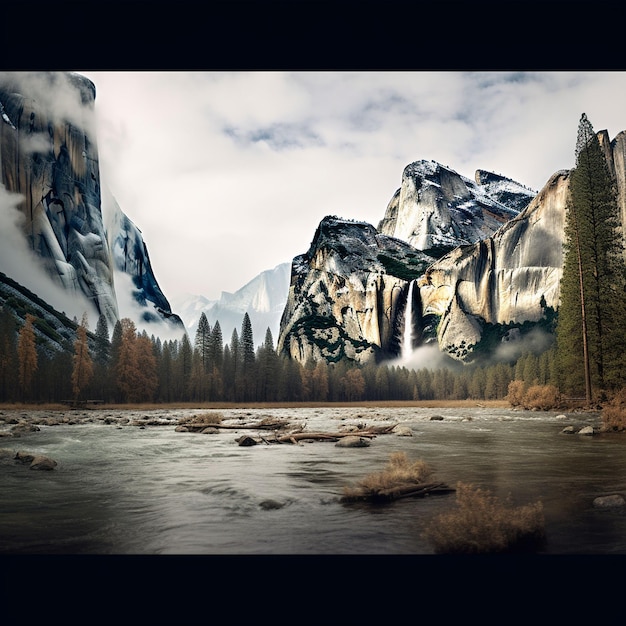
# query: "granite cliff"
{"type": "Point", "coordinates": [49, 160]}
{"type": "Point", "coordinates": [348, 294]}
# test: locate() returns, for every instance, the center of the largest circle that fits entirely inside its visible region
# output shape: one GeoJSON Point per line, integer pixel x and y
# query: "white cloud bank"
{"type": "Point", "coordinates": [228, 174]}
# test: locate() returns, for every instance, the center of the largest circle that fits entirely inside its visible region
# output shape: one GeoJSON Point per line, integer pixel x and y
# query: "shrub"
{"type": "Point", "coordinates": [544, 397]}
{"type": "Point", "coordinates": [614, 413]}
{"type": "Point", "coordinates": [515, 393]}
{"type": "Point", "coordinates": [399, 470]}
{"type": "Point", "coordinates": [481, 524]}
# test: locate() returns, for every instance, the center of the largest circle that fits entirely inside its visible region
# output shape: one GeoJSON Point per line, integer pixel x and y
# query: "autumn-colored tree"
{"type": "Point", "coordinates": [82, 371]}
{"type": "Point", "coordinates": [127, 374]}
{"type": "Point", "coordinates": [27, 356]}
{"type": "Point", "coordinates": [354, 385]}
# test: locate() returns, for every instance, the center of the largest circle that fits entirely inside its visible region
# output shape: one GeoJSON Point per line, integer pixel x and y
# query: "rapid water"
{"type": "Point", "coordinates": [122, 489]}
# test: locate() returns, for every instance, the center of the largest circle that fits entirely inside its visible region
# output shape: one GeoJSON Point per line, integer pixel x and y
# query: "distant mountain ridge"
{"type": "Point", "coordinates": [263, 298]}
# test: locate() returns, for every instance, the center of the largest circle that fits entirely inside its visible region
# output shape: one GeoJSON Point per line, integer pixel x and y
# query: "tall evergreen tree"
{"type": "Point", "coordinates": [590, 342]}
{"type": "Point", "coordinates": [216, 344]}
{"type": "Point", "coordinates": [202, 342]}
{"type": "Point", "coordinates": [248, 370]}
{"type": "Point", "coordinates": [82, 371]}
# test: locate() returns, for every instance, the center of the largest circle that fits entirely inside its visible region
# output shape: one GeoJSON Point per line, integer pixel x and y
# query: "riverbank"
{"type": "Point", "coordinates": [421, 404]}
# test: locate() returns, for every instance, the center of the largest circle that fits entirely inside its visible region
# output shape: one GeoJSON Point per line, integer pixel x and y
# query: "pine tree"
{"type": "Point", "coordinates": [27, 357]}
{"type": "Point", "coordinates": [126, 366]}
{"type": "Point", "coordinates": [216, 344]}
{"type": "Point", "coordinates": [202, 342]}
{"type": "Point", "coordinates": [82, 371]}
{"type": "Point", "coordinates": [590, 342]}
{"type": "Point", "coordinates": [248, 370]}
{"type": "Point", "coordinates": [268, 368]}
{"type": "Point", "coordinates": [232, 368]}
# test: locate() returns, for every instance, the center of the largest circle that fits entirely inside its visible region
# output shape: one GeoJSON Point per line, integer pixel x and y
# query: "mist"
{"type": "Point", "coordinates": [19, 263]}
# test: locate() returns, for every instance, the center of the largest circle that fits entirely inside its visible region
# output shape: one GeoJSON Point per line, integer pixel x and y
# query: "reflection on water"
{"type": "Point", "coordinates": [128, 490]}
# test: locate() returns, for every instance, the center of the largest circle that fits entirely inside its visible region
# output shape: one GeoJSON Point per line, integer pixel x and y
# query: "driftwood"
{"type": "Point", "coordinates": [199, 426]}
{"type": "Point", "coordinates": [295, 437]}
{"type": "Point", "coordinates": [404, 490]}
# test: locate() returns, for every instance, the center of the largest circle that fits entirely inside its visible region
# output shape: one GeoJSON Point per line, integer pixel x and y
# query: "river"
{"type": "Point", "coordinates": [124, 489]}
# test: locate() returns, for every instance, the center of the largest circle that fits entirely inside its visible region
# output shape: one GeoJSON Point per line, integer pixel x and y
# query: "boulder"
{"type": "Point", "coordinates": [24, 457]}
{"type": "Point", "coordinates": [609, 502]}
{"type": "Point", "coordinates": [41, 462]}
{"type": "Point", "coordinates": [270, 505]}
{"type": "Point", "coordinates": [352, 441]}
{"type": "Point", "coordinates": [246, 440]}
{"type": "Point", "coordinates": [587, 430]}
{"type": "Point", "coordinates": [436, 418]}
{"type": "Point", "coordinates": [24, 427]}
{"type": "Point", "coordinates": [569, 430]}
{"type": "Point", "coordinates": [402, 431]}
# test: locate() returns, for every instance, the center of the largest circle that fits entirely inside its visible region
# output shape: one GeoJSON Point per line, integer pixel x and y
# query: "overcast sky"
{"type": "Point", "coordinates": [228, 174]}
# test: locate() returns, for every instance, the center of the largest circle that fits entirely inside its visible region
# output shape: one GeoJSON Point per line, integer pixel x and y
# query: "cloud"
{"type": "Point", "coordinates": [228, 173]}
{"type": "Point", "coordinates": [535, 341]}
{"type": "Point", "coordinates": [53, 93]}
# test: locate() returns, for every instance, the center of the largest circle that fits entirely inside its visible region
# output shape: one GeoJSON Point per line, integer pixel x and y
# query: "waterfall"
{"type": "Point", "coordinates": [407, 338]}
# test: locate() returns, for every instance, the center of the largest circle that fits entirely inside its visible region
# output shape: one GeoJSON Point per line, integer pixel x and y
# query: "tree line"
{"type": "Point", "coordinates": [131, 367]}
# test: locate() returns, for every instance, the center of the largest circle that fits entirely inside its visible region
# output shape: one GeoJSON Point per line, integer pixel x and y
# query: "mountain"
{"type": "Point", "coordinates": [493, 290]}
{"type": "Point", "coordinates": [263, 298]}
{"type": "Point", "coordinates": [436, 209]}
{"type": "Point", "coordinates": [491, 286]}
{"type": "Point", "coordinates": [51, 206]}
{"type": "Point", "coordinates": [349, 293]}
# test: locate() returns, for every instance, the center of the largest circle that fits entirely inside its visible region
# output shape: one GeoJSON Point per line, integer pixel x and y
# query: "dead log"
{"type": "Point", "coordinates": [405, 490]}
{"type": "Point", "coordinates": [195, 427]}
{"type": "Point", "coordinates": [294, 437]}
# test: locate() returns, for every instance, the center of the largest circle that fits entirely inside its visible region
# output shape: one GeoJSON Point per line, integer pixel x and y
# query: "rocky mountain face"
{"type": "Point", "coordinates": [49, 156]}
{"type": "Point", "coordinates": [263, 298]}
{"type": "Point", "coordinates": [435, 209]}
{"type": "Point", "coordinates": [505, 279]}
{"type": "Point", "coordinates": [349, 292]}
{"type": "Point", "coordinates": [495, 278]}
{"type": "Point", "coordinates": [501, 279]}
{"type": "Point", "coordinates": [132, 265]}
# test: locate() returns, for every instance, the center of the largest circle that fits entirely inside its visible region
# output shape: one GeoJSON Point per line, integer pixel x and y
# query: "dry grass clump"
{"type": "Point", "coordinates": [204, 419]}
{"type": "Point", "coordinates": [481, 524]}
{"type": "Point", "coordinates": [614, 413]}
{"type": "Point", "coordinates": [398, 471]}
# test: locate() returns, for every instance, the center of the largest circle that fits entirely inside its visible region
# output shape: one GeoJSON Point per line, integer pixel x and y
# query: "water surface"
{"type": "Point", "coordinates": [125, 489]}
